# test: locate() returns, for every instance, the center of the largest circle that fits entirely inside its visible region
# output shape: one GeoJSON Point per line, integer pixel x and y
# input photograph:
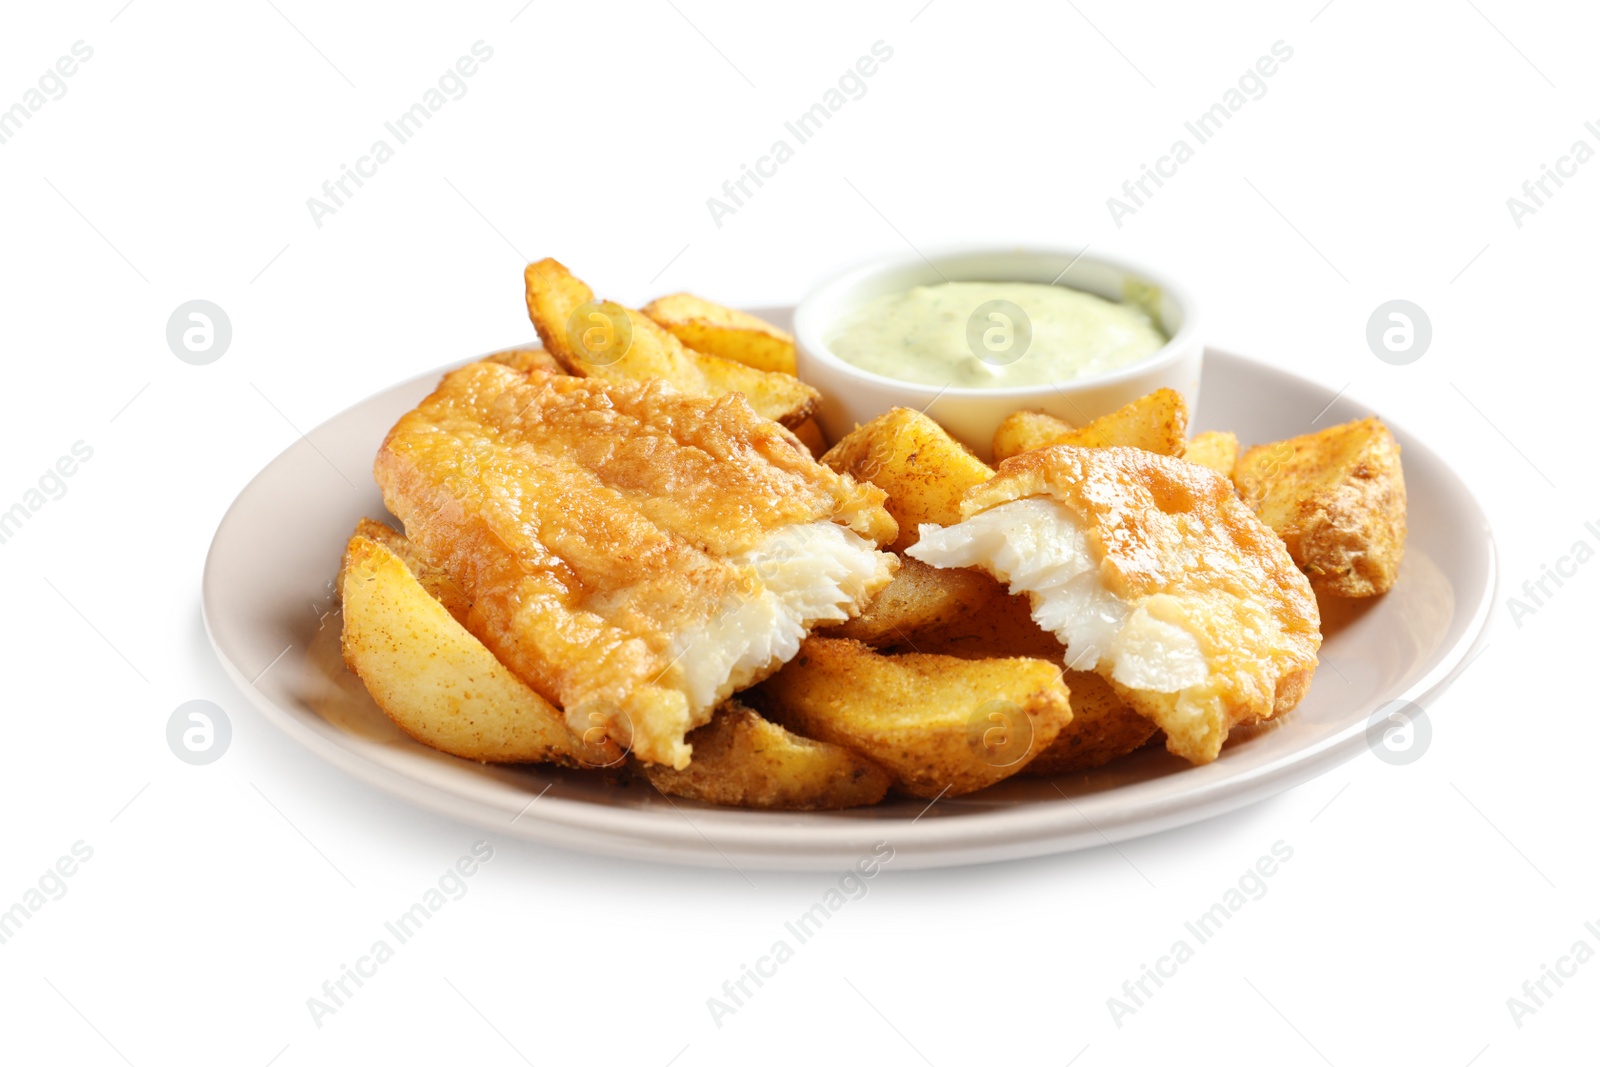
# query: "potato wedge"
{"type": "Point", "coordinates": [918, 599]}
{"type": "Point", "coordinates": [438, 682]}
{"type": "Point", "coordinates": [922, 468]}
{"type": "Point", "coordinates": [1023, 431]}
{"type": "Point", "coordinates": [940, 725]}
{"type": "Point", "coordinates": [606, 340]}
{"type": "Point", "coordinates": [528, 359]}
{"type": "Point", "coordinates": [1001, 627]}
{"type": "Point", "coordinates": [1103, 726]}
{"type": "Point", "coordinates": [1156, 422]}
{"type": "Point", "coordinates": [742, 760]}
{"type": "Point", "coordinates": [1337, 497]}
{"type": "Point", "coordinates": [439, 585]}
{"type": "Point", "coordinates": [810, 435]}
{"type": "Point", "coordinates": [1215, 449]}
{"type": "Point", "coordinates": [720, 331]}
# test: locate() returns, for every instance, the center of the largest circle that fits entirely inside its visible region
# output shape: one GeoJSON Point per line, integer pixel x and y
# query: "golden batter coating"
{"type": "Point", "coordinates": [604, 531]}
{"type": "Point", "coordinates": [1195, 571]}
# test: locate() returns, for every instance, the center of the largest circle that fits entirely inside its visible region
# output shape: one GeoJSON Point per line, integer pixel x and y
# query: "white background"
{"type": "Point", "coordinates": [177, 166]}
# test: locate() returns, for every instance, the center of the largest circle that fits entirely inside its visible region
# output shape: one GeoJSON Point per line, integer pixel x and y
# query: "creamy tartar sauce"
{"type": "Point", "coordinates": [971, 335]}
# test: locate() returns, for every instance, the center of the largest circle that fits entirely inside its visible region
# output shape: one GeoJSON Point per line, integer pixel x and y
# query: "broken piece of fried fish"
{"type": "Point", "coordinates": [1154, 575]}
{"type": "Point", "coordinates": [633, 553]}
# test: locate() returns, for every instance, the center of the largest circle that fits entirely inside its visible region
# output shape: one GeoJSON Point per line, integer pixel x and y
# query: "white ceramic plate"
{"type": "Point", "coordinates": [268, 584]}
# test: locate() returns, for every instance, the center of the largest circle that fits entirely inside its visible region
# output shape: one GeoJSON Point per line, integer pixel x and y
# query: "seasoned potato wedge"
{"type": "Point", "coordinates": [743, 760]}
{"type": "Point", "coordinates": [1337, 497]}
{"type": "Point", "coordinates": [528, 359]}
{"type": "Point", "coordinates": [1156, 422]}
{"type": "Point", "coordinates": [620, 344]}
{"type": "Point", "coordinates": [720, 331]}
{"type": "Point", "coordinates": [918, 599]}
{"type": "Point", "coordinates": [1215, 449]}
{"type": "Point", "coordinates": [1103, 726]}
{"type": "Point", "coordinates": [1023, 431]}
{"type": "Point", "coordinates": [1001, 627]}
{"type": "Point", "coordinates": [439, 585]}
{"type": "Point", "coordinates": [922, 468]}
{"type": "Point", "coordinates": [810, 435]}
{"type": "Point", "coordinates": [438, 682]}
{"type": "Point", "coordinates": [940, 725]}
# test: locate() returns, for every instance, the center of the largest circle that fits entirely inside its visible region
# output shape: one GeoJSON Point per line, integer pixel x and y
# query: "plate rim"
{"type": "Point", "coordinates": [826, 840]}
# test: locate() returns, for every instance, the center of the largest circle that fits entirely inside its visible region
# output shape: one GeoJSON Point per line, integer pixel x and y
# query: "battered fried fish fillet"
{"type": "Point", "coordinates": [1155, 576]}
{"type": "Point", "coordinates": [634, 554]}
{"type": "Point", "coordinates": [527, 359]}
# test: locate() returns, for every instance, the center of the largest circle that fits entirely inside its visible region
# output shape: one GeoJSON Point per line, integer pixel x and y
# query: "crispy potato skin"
{"type": "Point", "coordinates": [810, 435]}
{"type": "Point", "coordinates": [433, 578]}
{"type": "Point", "coordinates": [1337, 497]}
{"type": "Point", "coordinates": [554, 294]}
{"type": "Point", "coordinates": [721, 331]}
{"type": "Point", "coordinates": [922, 468]}
{"type": "Point", "coordinates": [918, 599]}
{"type": "Point", "coordinates": [742, 760]}
{"type": "Point", "coordinates": [1156, 422]}
{"type": "Point", "coordinates": [1002, 627]}
{"type": "Point", "coordinates": [1215, 450]}
{"type": "Point", "coordinates": [1103, 726]}
{"type": "Point", "coordinates": [435, 680]}
{"type": "Point", "coordinates": [939, 724]}
{"type": "Point", "coordinates": [1023, 431]}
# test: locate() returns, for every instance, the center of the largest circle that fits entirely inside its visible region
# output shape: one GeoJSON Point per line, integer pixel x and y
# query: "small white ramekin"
{"type": "Point", "coordinates": [852, 396]}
